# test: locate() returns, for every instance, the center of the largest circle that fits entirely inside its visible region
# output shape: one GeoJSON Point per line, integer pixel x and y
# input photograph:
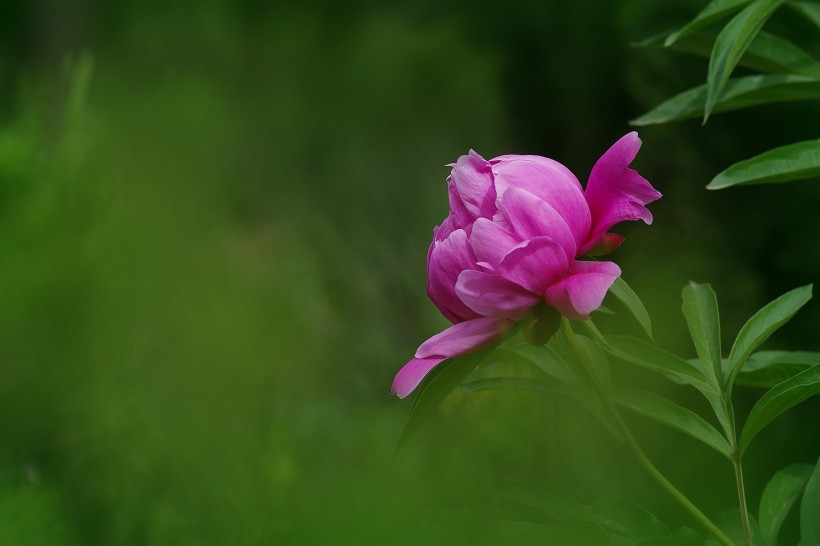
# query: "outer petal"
{"type": "Point", "coordinates": [491, 242]}
{"type": "Point", "coordinates": [464, 337]}
{"type": "Point", "coordinates": [447, 259]}
{"type": "Point", "coordinates": [548, 180]}
{"type": "Point", "coordinates": [615, 192]}
{"type": "Point", "coordinates": [583, 289]}
{"type": "Point", "coordinates": [472, 177]}
{"type": "Point", "coordinates": [412, 374]}
{"type": "Point", "coordinates": [490, 295]}
{"type": "Point", "coordinates": [458, 339]}
{"type": "Point", "coordinates": [535, 264]}
{"type": "Point", "coordinates": [532, 217]}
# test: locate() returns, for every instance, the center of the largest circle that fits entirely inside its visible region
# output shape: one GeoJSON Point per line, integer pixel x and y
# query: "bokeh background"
{"type": "Point", "coordinates": [214, 219]}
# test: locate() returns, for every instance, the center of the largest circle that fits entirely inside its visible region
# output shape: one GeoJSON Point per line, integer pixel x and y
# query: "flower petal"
{"type": "Point", "coordinates": [472, 177]}
{"type": "Point", "coordinates": [535, 264]}
{"type": "Point", "coordinates": [446, 260]}
{"type": "Point", "coordinates": [491, 295]}
{"type": "Point", "coordinates": [615, 192]}
{"type": "Point", "coordinates": [412, 374]}
{"type": "Point", "coordinates": [532, 217]}
{"type": "Point", "coordinates": [490, 241]}
{"type": "Point", "coordinates": [464, 337]}
{"type": "Point", "coordinates": [583, 289]}
{"type": "Point", "coordinates": [548, 180]}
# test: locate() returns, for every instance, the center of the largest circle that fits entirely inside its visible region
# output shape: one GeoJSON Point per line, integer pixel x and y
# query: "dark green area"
{"type": "Point", "coordinates": [214, 218]}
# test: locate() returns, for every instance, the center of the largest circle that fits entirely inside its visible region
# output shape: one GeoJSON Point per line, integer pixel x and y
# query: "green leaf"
{"type": "Point", "coordinates": [780, 494]}
{"type": "Point", "coordinates": [553, 503]}
{"type": "Point", "coordinates": [671, 414]}
{"type": "Point", "coordinates": [623, 518]}
{"type": "Point", "coordinates": [768, 368]}
{"type": "Point", "coordinates": [655, 359]}
{"type": "Point", "coordinates": [786, 163]}
{"type": "Point", "coordinates": [440, 382]}
{"type": "Point", "coordinates": [544, 358]}
{"type": "Point", "coordinates": [809, 10]}
{"type": "Point", "coordinates": [739, 93]}
{"type": "Point", "coordinates": [767, 53]}
{"type": "Point", "coordinates": [621, 290]}
{"type": "Point", "coordinates": [810, 510]}
{"type": "Point", "coordinates": [779, 399]}
{"type": "Point", "coordinates": [732, 43]}
{"type": "Point", "coordinates": [713, 12]}
{"type": "Point", "coordinates": [684, 537]}
{"type": "Point", "coordinates": [516, 383]}
{"type": "Point", "coordinates": [700, 308]}
{"type": "Point", "coordinates": [762, 324]}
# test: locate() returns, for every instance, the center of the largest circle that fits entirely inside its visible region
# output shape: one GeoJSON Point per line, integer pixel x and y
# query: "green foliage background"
{"type": "Point", "coordinates": [213, 224]}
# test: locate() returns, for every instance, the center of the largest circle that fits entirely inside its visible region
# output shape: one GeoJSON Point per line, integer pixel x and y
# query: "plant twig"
{"type": "Point", "coordinates": [630, 441]}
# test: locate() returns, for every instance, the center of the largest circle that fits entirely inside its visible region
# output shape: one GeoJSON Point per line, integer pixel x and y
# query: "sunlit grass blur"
{"type": "Point", "coordinates": [213, 227]}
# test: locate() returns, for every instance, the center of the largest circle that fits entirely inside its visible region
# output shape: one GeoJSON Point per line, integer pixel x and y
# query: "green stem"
{"type": "Point", "coordinates": [632, 444]}
{"type": "Point", "coordinates": [736, 462]}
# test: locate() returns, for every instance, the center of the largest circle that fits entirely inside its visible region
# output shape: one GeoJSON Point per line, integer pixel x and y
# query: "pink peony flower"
{"type": "Point", "coordinates": [516, 227]}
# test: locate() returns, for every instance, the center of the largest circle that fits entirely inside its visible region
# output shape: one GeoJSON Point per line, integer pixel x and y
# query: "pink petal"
{"type": "Point", "coordinates": [412, 374]}
{"type": "Point", "coordinates": [447, 259]}
{"type": "Point", "coordinates": [534, 264]}
{"type": "Point", "coordinates": [464, 337]}
{"type": "Point", "coordinates": [583, 289]}
{"type": "Point", "coordinates": [548, 180]}
{"type": "Point", "coordinates": [531, 217]}
{"type": "Point", "coordinates": [615, 192]}
{"type": "Point", "coordinates": [491, 295]}
{"type": "Point", "coordinates": [473, 180]}
{"type": "Point", "coordinates": [490, 241]}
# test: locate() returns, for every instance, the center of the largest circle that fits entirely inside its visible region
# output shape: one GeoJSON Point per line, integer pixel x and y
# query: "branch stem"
{"type": "Point", "coordinates": [632, 444]}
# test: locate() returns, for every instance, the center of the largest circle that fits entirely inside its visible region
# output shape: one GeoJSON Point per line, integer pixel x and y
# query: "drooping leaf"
{"type": "Point", "coordinates": [810, 510]}
{"type": "Point", "coordinates": [544, 358]}
{"type": "Point", "coordinates": [731, 524]}
{"type": "Point", "coordinates": [762, 324]}
{"type": "Point", "coordinates": [767, 53]}
{"type": "Point", "coordinates": [621, 290]}
{"type": "Point", "coordinates": [551, 502]}
{"type": "Point", "coordinates": [654, 358]}
{"type": "Point", "coordinates": [622, 518]}
{"type": "Point", "coordinates": [671, 414]}
{"type": "Point", "coordinates": [685, 537]}
{"type": "Point", "coordinates": [738, 93]}
{"type": "Point", "coordinates": [779, 399]}
{"type": "Point", "coordinates": [436, 386]}
{"type": "Point", "coordinates": [809, 10]}
{"type": "Point", "coordinates": [713, 12]}
{"type": "Point", "coordinates": [796, 161]}
{"type": "Point", "coordinates": [768, 368]}
{"type": "Point", "coordinates": [700, 308]}
{"type": "Point", "coordinates": [732, 43]}
{"type": "Point", "coordinates": [779, 496]}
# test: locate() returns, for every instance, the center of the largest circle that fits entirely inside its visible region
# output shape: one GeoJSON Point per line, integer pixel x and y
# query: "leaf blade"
{"type": "Point", "coordinates": [656, 359]}
{"type": "Point", "coordinates": [700, 307]}
{"type": "Point", "coordinates": [810, 510]}
{"type": "Point", "coordinates": [621, 290]}
{"type": "Point", "coordinates": [713, 12]}
{"type": "Point", "coordinates": [671, 414]}
{"type": "Point", "coordinates": [442, 380]}
{"type": "Point", "coordinates": [778, 497]}
{"type": "Point", "coordinates": [731, 44]}
{"type": "Point", "coordinates": [761, 325]}
{"type": "Point", "coordinates": [780, 398]}
{"type": "Point", "coordinates": [738, 93]}
{"type": "Point", "coordinates": [796, 161]}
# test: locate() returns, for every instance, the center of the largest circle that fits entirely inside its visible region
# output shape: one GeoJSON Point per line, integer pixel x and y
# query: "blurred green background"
{"type": "Point", "coordinates": [214, 219]}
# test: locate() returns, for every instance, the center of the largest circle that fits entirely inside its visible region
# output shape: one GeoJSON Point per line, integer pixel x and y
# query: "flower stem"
{"type": "Point", "coordinates": [741, 490]}
{"type": "Point", "coordinates": [632, 444]}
